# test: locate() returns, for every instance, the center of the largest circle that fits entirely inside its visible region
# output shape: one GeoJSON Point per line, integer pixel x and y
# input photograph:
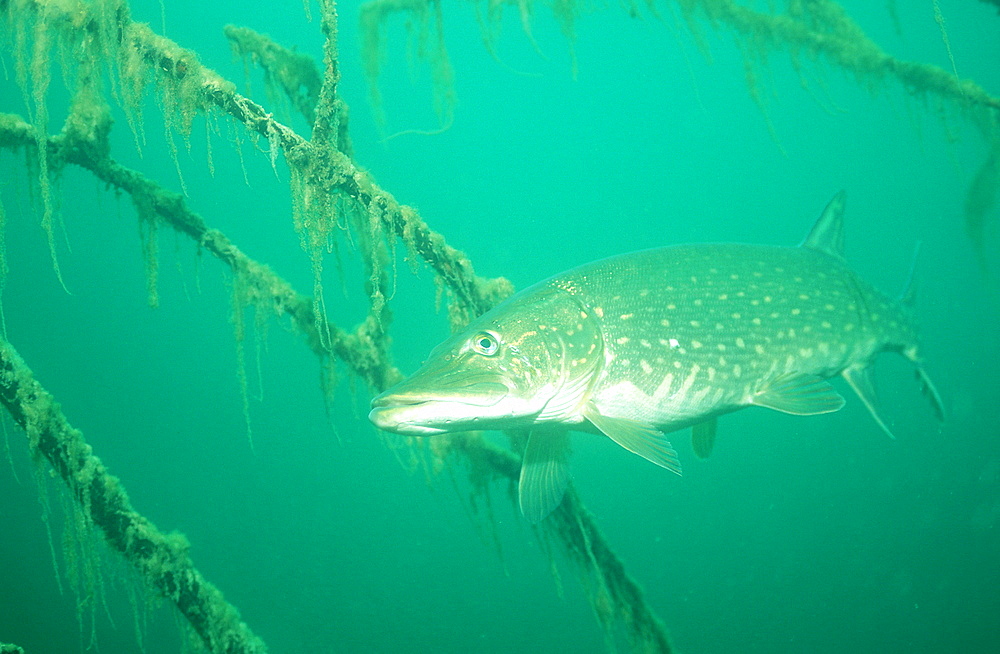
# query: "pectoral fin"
{"type": "Point", "coordinates": [860, 379]}
{"type": "Point", "coordinates": [703, 437]}
{"type": "Point", "coordinates": [544, 474]}
{"type": "Point", "coordinates": [637, 437]}
{"type": "Point", "coordinates": [799, 394]}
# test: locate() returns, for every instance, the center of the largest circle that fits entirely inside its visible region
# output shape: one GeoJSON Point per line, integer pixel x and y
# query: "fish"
{"type": "Point", "coordinates": [643, 344]}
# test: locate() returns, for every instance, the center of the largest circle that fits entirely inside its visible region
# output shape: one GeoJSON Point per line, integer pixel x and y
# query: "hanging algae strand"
{"type": "Point", "coordinates": [161, 559]}
{"type": "Point", "coordinates": [364, 350]}
{"type": "Point", "coordinates": [426, 19]}
{"type": "Point", "coordinates": [293, 71]}
{"type": "Point", "coordinates": [814, 28]}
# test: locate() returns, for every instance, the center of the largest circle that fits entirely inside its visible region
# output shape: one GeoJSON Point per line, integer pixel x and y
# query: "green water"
{"type": "Point", "coordinates": [798, 535]}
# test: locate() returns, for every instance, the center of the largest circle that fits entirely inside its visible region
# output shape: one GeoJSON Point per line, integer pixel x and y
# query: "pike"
{"type": "Point", "coordinates": [642, 344]}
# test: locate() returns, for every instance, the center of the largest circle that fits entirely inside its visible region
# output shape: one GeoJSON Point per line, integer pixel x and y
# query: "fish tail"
{"type": "Point", "coordinates": [908, 298]}
{"type": "Point", "coordinates": [926, 385]}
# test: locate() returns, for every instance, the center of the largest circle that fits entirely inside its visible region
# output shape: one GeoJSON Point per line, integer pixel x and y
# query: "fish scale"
{"type": "Point", "coordinates": [646, 343]}
{"type": "Point", "coordinates": [726, 316]}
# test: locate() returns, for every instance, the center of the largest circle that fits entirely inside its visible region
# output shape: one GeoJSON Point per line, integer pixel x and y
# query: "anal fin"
{"type": "Point", "coordinates": [544, 474]}
{"type": "Point", "coordinates": [703, 437]}
{"type": "Point", "coordinates": [860, 379]}
{"type": "Point", "coordinates": [799, 394]}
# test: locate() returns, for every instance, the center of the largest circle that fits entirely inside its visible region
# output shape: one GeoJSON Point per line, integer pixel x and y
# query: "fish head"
{"type": "Point", "coordinates": [528, 360]}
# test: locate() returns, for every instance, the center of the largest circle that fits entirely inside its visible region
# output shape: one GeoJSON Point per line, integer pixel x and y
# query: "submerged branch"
{"type": "Point", "coordinates": [83, 142]}
{"type": "Point", "coordinates": [332, 170]}
{"type": "Point", "coordinates": [161, 559]}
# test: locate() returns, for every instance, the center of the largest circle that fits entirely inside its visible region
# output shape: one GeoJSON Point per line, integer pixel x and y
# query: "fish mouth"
{"type": "Point", "coordinates": [392, 419]}
{"type": "Point", "coordinates": [425, 414]}
{"type": "Point", "coordinates": [481, 393]}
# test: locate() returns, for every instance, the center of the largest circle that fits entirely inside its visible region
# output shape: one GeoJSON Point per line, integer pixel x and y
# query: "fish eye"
{"type": "Point", "coordinates": [485, 343]}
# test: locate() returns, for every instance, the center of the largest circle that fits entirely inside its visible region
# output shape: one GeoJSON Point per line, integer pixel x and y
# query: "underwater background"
{"type": "Point", "coordinates": [813, 534]}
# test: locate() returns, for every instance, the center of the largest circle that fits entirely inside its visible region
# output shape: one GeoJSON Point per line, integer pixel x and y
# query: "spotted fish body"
{"type": "Point", "coordinates": [650, 342]}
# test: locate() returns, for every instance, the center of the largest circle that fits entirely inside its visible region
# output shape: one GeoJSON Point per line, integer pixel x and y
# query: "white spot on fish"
{"type": "Point", "coordinates": [674, 343]}
{"type": "Point", "coordinates": [699, 396]}
{"type": "Point", "coordinates": [737, 370]}
{"type": "Point", "coordinates": [803, 296]}
{"type": "Point", "coordinates": [626, 316]}
{"type": "Point", "coordinates": [689, 381]}
{"type": "Point", "coordinates": [695, 323]}
{"type": "Point", "coordinates": [665, 322]}
{"type": "Point", "coordinates": [699, 302]}
{"type": "Point", "coordinates": [756, 321]}
{"type": "Point", "coordinates": [643, 342]}
{"type": "Point", "coordinates": [671, 306]}
{"type": "Point", "coordinates": [621, 340]}
{"type": "Point", "coordinates": [796, 311]}
{"type": "Point", "coordinates": [737, 316]}
{"type": "Point", "coordinates": [646, 368]}
{"type": "Point", "coordinates": [721, 346]}
{"type": "Point", "coordinates": [723, 296]}
{"type": "Point", "coordinates": [759, 349]}
{"type": "Point", "coordinates": [849, 327]}
{"type": "Point", "coordinates": [663, 390]}
{"type": "Point", "coordinates": [806, 352]}
{"type": "Point", "coordinates": [599, 312]}
{"type": "Point", "coordinates": [740, 342]}
{"type": "Point", "coordinates": [696, 344]}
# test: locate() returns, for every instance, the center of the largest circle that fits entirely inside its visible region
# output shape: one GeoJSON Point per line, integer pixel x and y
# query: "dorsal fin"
{"type": "Point", "coordinates": [827, 234]}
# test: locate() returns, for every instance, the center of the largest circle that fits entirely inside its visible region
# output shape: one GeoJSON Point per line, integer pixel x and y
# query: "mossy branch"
{"type": "Point", "coordinates": [293, 71]}
{"type": "Point", "coordinates": [266, 287]}
{"type": "Point", "coordinates": [330, 170]}
{"type": "Point", "coordinates": [83, 142]}
{"type": "Point", "coordinates": [823, 27]}
{"type": "Point", "coordinates": [161, 559]}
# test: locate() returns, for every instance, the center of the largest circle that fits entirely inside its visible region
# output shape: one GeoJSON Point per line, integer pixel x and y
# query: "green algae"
{"type": "Point", "coordinates": [332, 197]}
{"type": "Point", "coordinates": [100, 501]}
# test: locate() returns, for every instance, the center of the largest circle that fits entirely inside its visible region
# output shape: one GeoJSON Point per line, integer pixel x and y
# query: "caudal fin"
{"type": "Point", "coordinates": [927, 386]}
{"type": "Point", "coordinates": [860, 379]}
